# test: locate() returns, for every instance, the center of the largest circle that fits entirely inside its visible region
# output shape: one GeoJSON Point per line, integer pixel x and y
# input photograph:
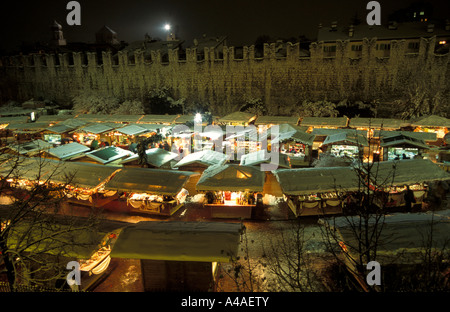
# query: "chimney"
{"type": "Point", "coordinates": [334, 26]}
{"type": "Point", "coordinates": [430, 28]}
{"type": "Point", "coordinates": [351, 30]}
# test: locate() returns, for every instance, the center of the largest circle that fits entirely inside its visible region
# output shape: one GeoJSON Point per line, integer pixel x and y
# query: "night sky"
{"type": "Point", "coordinates": [241, 20]}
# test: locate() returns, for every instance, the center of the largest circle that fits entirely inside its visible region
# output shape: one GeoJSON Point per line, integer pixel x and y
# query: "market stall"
{"type": "Point", "coordinates": [317, 191]}
{"type": "Point", "coordinates": [128, 134]}
{"type": "Point", "coordinates": [83, 182]}
{"type": "Point", "coordinates": [295, 143]}
{"type": "Point", "coordinates": [68, 151]}
{"type": "Point", "coordinates": [199, 161]}
{"type": "Point", "coordinates": [156, 157]}
{"type": "Point", "coordinates": [62, 241]}
{"type": "Point", "coordinates": [263, 157]}
{"type": "Point", "coordinates": [345, 144]}
{"type": "Point", "coordinates": [237, 118]}
{"type": "Point", "coordinates": [231, 190]}
{"type": "Point", "coordinates": [390, 180]}
{"type": "Point", "coordinates": [179, 256]}
{"type": "Point", "coordinates": [153, 191]}
{"type": "Point", "coordinates": [402, 146]}
{"type": "Point", "coordinates": [432, 123]}
{"type": "Point", "coordinates": [31, 148]}
{"type": "Point", "coordinates": [110, 155]}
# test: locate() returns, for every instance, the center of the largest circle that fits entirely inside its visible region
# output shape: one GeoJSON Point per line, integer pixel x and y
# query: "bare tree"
{"type": "Point", "coordinates": [287, 259]}
{"type": "Point", "coordinates": [36, 238]}
{"type": "Point", "coordinates": [244, 272]}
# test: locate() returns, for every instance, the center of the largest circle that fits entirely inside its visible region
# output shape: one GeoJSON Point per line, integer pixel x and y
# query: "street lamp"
{"type": "Point", "coordinates": [167, 27]}
{"type": "Point", "coordinates": [198, 118]}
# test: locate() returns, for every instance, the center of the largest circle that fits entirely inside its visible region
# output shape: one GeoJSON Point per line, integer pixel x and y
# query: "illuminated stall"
{"type": "Point", "coordinates": [84, 182]}
{"type": "Point", "coordinates": [402, 146]}
{"type": "Point", "coordinates": [68, 151]}
{"type": "Point", "coordinates": [92, 135]}
{"type": "Point", "coordinates": [56, 133]}
{"type": "Point", "coordinates": [199, 161]}
{"type": "Point", "coordinates": [276, 120]}
{"type": "Point", "coordinates": [156, 157]}
{"type": "Point", "coordinates": [62, 243]}
{"type": "Point", "coordinates": [231, 190]}
{"type": "Point", "coordinates": [179, 256]}
{"type": "Point", "coordinates": [393, 177]}
{"type": "Point", "coordinates": [110, 155]}
{"type": "Point", "coordinates": [263, 157]}
{"type": "Point", "coordinates": [237, 119]}
{"type": "Point", "coordinates": [317, 191]}
{"type": "Point", "coordinates": [432, 123]}
{"type": "Point", "coordinates": [296, 144]}
{"type": "Point", "coordinates": [128, 134]}
{"type": "Point", "coordinates": [30, 148]}
{"type": "Point", "coordinates": [345, 144]}
{"type": "Point", "coordinates": [153, 191]}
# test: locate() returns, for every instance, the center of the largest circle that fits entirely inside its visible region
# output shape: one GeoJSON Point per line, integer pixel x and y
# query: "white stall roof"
{"type": "Point", "coordinates": [179, 241]}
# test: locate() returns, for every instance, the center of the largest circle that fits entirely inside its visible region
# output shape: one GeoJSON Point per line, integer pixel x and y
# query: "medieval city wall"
{"type": "Point", "coordinates": [281, 82]}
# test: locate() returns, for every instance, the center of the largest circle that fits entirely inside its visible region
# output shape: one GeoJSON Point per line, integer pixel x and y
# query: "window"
{"type": "Point", "coordinates": [357, 47]}
{"type": "Point", "coordinates": [413, 46]}
{"type": "Point", "coordinates": [383, 46]}
{"type": "Point", "coordinates": [329, 48]}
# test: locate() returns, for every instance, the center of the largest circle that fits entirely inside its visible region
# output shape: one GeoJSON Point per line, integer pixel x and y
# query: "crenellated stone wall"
{"type": "Point", "coordinates": [280, 81]}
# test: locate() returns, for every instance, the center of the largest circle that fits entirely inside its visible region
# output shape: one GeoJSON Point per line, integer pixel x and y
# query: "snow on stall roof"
{"type": "Point", "coordinates": [305, 181]}
{"type": "Point", "coordinates": [231, 177]}
{"type": "Point", "coordinates": [66, 151]}
{"type": "Point", "coordinates": [179, 241]}
{"type": "Point", "coordinates": [205, 157]}
{"type": "Point", "coordinates": [155, 156]}
{"type": "Point", "coordinates": [152, 181]}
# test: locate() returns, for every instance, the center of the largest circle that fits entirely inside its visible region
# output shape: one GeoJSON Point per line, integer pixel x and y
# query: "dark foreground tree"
{"type": "Point", "coordinates": [36, 238]}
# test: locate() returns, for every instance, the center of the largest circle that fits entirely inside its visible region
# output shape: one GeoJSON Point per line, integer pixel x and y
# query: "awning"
{"type": "Point", "coordinates": [289, 133]}
{"type": "Point", "coordinates": [159, 119]}
{"type": "Point", "coordinates": [179, 241]}
{"type": "Point", "coordinates": [231, 177]}
{"type": "Point", "coordinates": [432, 121]}
{"type": "Point", "coordinates": [67, 151]}
{"type": "Point", "coordinates": [132, 130]}
{"type": "Point", "coordinates": [73, 241]}
{"type": "Point", "coordinates": [425, 136]}
{"type": "Point", "coordinates": [377, 123]}
{"type": "Point", "coordinates": [109, 154]}
{"type": "Point", "coordinates": [85, 175]}
{"type": "Point", "coordinates": [406, 171]}
{"type": "Point", "coordinates": [60, 128]}
{"type": "Point", "coordinates": [155, 156]}
{"type": "Point", "coordinates": [151, 181]}
{"type": "Point", "coordinates": [238, 117]}
{"type": "Point", "coordinates": [402, 140]}
{"type": "Point", "coordinates": [403, 235]}
{"type": "Point", "coordinates": [346, 138]}
{"type": "Point", "coordinates": [205, 158]}
{"type": "Point", "coordinates": [278, 120]}
{"type": "Point", "coordinates": [262, 156]}
{"type": "Point", "coordinates": [30, 147]}
{"type": "Point", "coordinates": [305, 181]}
{"type": "Point", "coordinates": [96, 128]}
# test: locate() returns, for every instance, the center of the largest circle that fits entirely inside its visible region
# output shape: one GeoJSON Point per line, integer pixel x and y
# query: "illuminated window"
{"type": "Point", "coordinates": [422, 13]}
{"type": "Point", "coordinates": [442, 42]}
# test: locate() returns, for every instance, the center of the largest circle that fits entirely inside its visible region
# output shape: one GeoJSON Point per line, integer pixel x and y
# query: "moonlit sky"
{"type": "Point", "coordinates": [241, 20]}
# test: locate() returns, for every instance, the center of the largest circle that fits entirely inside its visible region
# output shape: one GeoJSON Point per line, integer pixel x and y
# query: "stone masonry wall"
{"type": "Point", "coordinates": [281, 82]}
